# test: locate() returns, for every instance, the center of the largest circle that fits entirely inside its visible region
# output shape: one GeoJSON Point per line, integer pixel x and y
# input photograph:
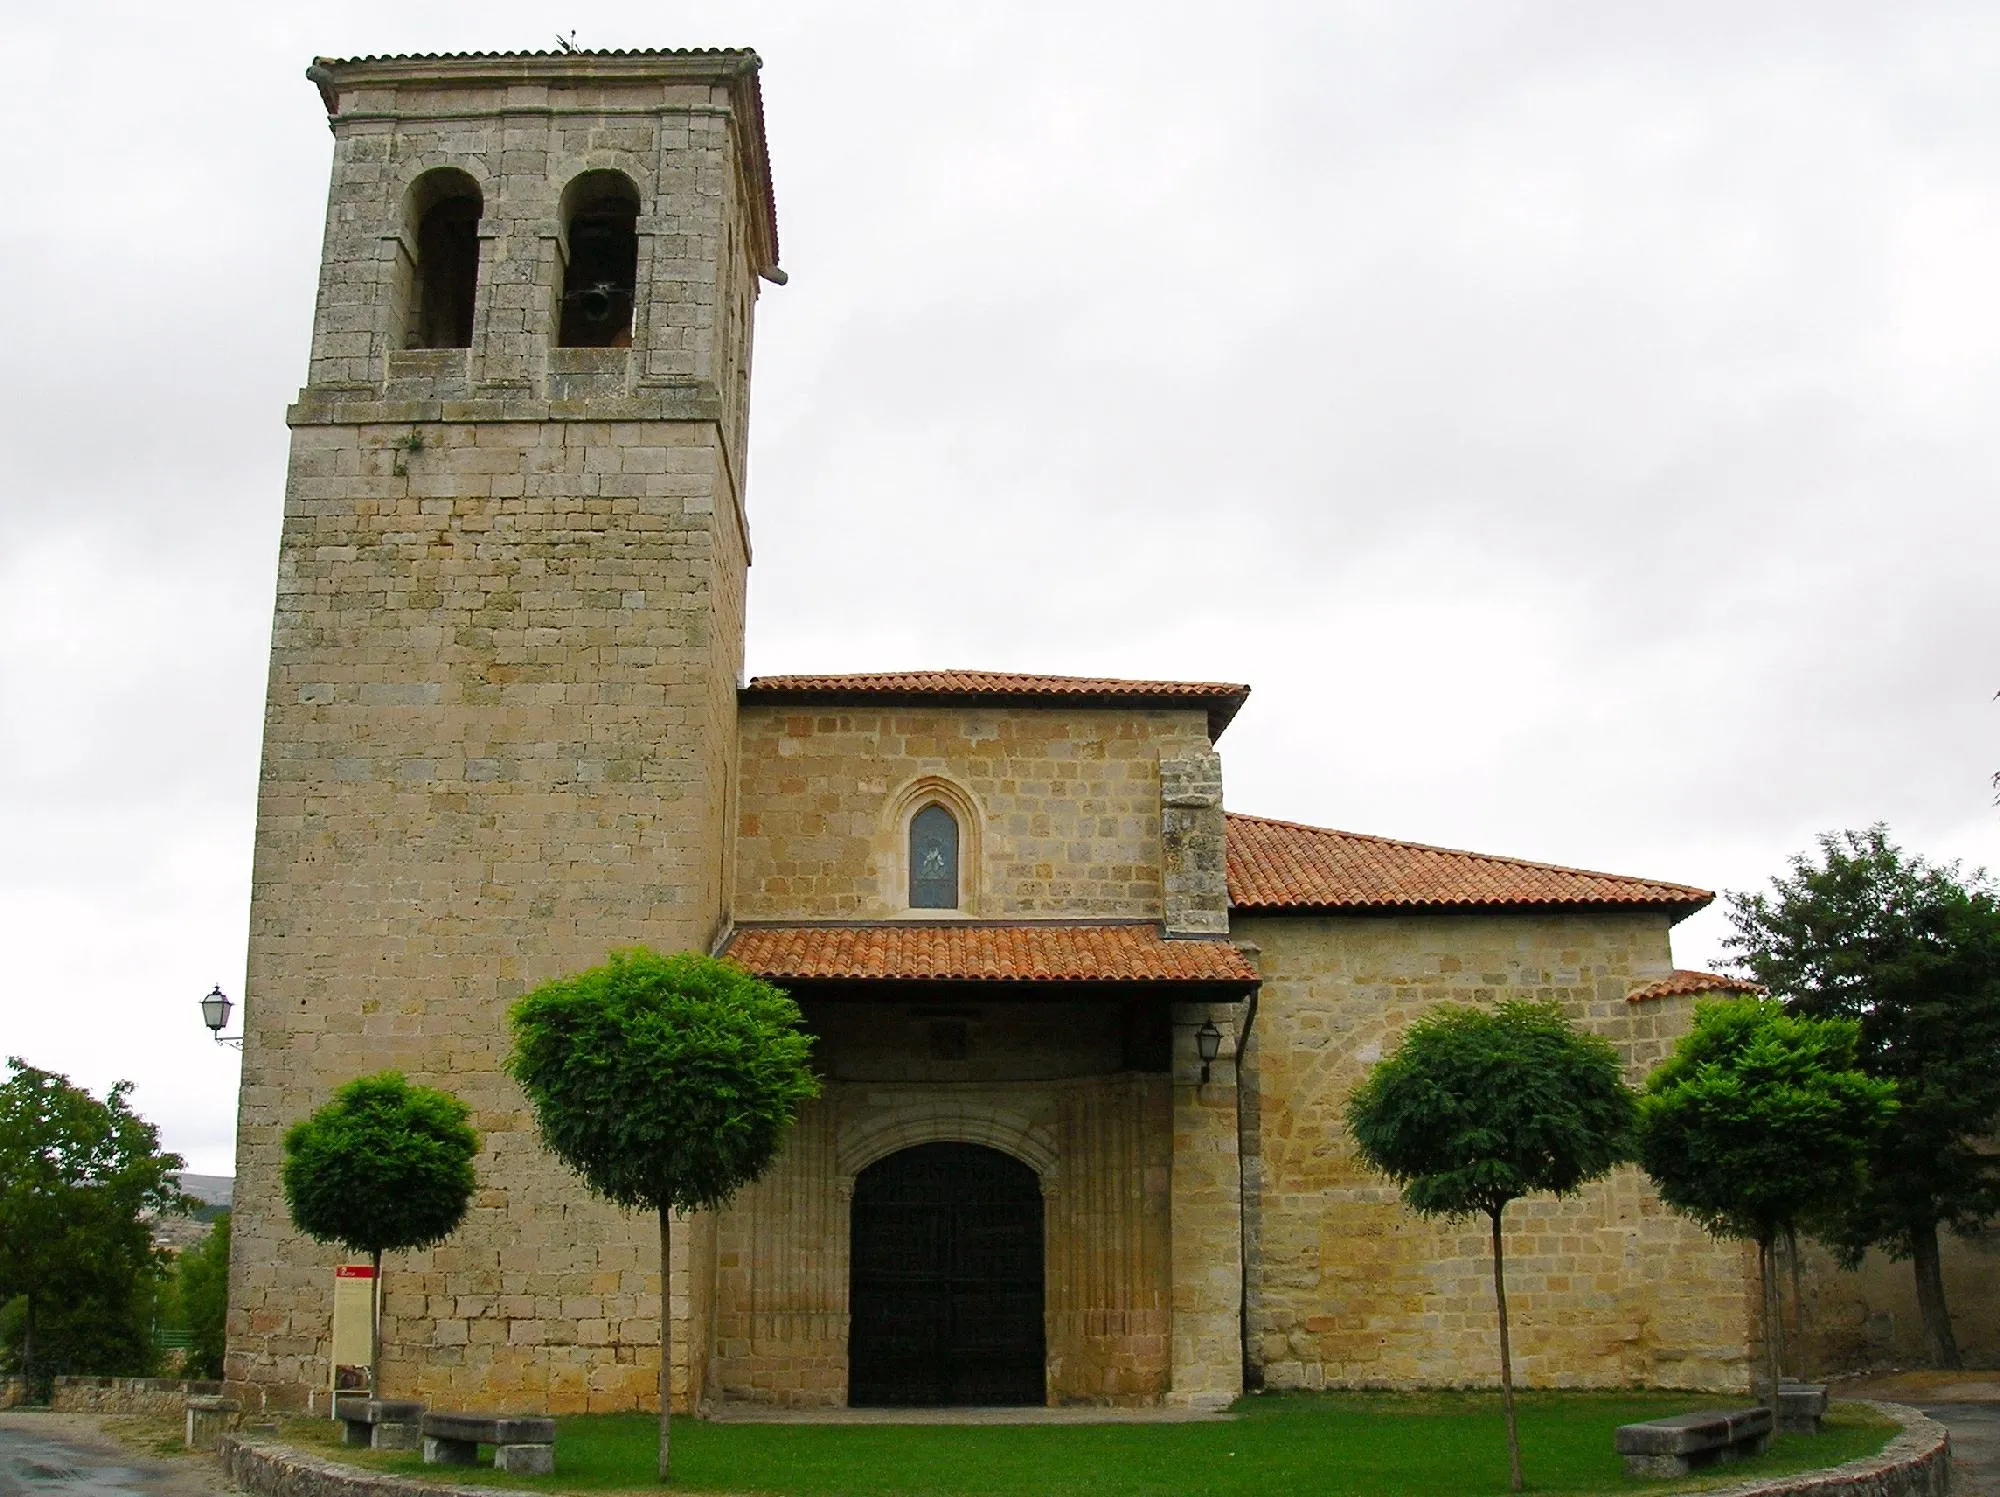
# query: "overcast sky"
{"type": "Point", "coordinates": [1575, 421]}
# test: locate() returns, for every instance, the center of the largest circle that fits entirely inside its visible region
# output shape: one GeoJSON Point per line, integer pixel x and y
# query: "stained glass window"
{"type": "Point", "coordinates": [933, 859]}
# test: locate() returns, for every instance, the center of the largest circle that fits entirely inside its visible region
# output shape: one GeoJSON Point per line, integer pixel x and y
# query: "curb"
{"type": "Point", "coordinates": [1916, 1463]}
{"type": "Point", "coordinates": [273, 1470]}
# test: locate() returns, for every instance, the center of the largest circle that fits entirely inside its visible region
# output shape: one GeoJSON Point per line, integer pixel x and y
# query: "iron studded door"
{"type": "Point", "coordinates": [945, 1305]}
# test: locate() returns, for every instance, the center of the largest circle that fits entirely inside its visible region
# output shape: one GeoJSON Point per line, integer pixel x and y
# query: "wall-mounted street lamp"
{"type": "Point", "coordinates": [215, 1014]}
{"type": "Point", "coordinates": [1207, 1040]}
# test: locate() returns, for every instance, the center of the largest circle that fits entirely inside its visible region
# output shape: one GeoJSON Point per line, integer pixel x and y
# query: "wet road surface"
{"type": "Point", "coordinates": [44, 1455]}
{"type": "Point", "coordinates": [1975, 1445]}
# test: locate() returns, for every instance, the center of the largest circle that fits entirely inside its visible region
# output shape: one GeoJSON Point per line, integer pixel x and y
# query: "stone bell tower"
{"type": "Point", "coordinates": [501, 717]}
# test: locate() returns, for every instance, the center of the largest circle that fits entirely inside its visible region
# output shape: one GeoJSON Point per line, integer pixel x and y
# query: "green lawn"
{"type": "Point", "coordinates": [1424, 1445]}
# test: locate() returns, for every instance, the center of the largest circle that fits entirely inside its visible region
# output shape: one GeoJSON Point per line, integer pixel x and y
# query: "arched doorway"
{"type": "Point", "coordinates": [945, 1305]}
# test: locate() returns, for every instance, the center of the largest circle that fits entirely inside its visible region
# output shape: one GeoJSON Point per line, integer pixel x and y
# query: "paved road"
{"type": "Point", "coordinates": [1966, 1402]}
{"type": "Point", "coordinates": [1975, 1445]}
{"type": "Point", "coordinates": [50, 1455]}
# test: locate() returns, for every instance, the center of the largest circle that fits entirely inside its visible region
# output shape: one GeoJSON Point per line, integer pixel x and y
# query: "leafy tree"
{"type": "Point", "coordinates": [1757, 1122]}
{"type": "Point", "coordinates": [1910, 950]}
{"type": "Point", "coordinates": [666, 1083]}
{"type": "Point", "coordinates": [1479, 1107]}
{"type": "Point", "coordinates": [78, 1177]}
{"type": "Point", "coordinates": [201, 1296]}
{"type": "Point", "coordinates": [384, 1166]}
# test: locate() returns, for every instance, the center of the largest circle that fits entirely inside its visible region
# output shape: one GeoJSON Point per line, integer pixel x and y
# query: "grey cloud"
{"type": "Point", "coordinates": [1574, 420]}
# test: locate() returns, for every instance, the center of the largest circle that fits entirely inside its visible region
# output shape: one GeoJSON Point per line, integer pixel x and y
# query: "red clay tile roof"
{"type": "Point", "coordinates": [1280, 865]}
{"type": "Point", "coordinates": [1684, 982]}
{"type": "Point", "coordinates": [1221, 698]}
{"type": "Point", "coordinates": [986, 953]}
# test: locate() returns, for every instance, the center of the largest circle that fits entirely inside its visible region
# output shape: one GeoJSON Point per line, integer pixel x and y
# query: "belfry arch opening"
{"type": "Point", "coordinates": [946, 1290]}
{"type": "Point", "coordinates": [442, 214]}
{"type": "Point", "coordinates": [600, 216]}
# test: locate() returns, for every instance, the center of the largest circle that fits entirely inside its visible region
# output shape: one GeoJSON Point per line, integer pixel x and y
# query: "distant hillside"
{"type": "Point", "coordinates": [215, 1192]}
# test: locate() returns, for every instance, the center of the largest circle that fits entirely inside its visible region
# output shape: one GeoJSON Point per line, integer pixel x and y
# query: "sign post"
{"type": "Point", "coordinates": [353, 1332]}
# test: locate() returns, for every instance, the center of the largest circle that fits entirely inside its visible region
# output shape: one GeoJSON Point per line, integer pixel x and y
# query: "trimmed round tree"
{"type": "Point", "coordinates": [383, 1167]}
{"type": "Point", "coordinates": [1477, 1107]}
{"type": "Point", "coordinates": [667, 1083]}
{"type": "Point", "coordinates": [1758, 1122]}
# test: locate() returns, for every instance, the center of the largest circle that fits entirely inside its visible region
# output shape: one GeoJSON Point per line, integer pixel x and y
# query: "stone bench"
{"type": "Point", "coordinates": [381, 1423]}
{"type": "Point", "coordinates": [1678, 1445]}
{"type": "Point", "coordinates": [1801, 1406]}
{"type": "Point", "coordinates": [521, 1443]}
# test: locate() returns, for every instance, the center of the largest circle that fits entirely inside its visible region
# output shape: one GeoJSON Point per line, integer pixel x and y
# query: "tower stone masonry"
{"type": "Point", "coordinates": [509, 631]}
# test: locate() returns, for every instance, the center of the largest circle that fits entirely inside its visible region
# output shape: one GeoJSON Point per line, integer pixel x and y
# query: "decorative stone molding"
{"type": "Point", "coordinates": [932, 1118]}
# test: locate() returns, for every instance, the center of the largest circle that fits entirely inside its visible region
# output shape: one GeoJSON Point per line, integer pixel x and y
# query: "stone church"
{"type": "Point", "coordinates": [1085, 1033]}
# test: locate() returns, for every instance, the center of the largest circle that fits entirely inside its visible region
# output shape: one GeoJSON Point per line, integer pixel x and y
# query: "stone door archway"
{"type": "Point", "coordinates": [947, 1280]}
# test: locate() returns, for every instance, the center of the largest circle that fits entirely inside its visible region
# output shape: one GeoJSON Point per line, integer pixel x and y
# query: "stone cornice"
{"type": "Point", "coordinates": [319, 405]}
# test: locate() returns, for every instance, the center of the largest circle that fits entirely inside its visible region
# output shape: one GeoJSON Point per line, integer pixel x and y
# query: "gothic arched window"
{"type": "Point", "coordinates": [933, 859]}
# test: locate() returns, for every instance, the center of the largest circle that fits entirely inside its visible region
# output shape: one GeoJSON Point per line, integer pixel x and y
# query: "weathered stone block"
{"type": "Point", "coordinates": [208, 1419]}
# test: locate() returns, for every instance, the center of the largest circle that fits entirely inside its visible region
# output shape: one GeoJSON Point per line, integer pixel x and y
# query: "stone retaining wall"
{"type": "Point", "coordinates": [1917, 1463]}
{"type": "Point", "coordinates": [270, 1470]}
{"type": "Point", "coordinates": [126, 1395]}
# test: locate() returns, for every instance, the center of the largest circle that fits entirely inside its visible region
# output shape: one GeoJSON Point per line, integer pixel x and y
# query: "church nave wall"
{"type": "Point", "coordinates": [1348, 1288]}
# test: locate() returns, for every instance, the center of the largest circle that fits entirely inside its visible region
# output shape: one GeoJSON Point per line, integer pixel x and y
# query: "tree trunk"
{"type": "Point", "coordinates": [1801, 1368]}
{"type": "Point", "coordinates": [28, 1369]}
{"type": "Point", "coordinates": [1767, 1280]}
{"type": "Point", "coordinates": [1506, 1359]}
{"type": "Point", "coordinates": [666, 1343]}
{"type": "Point", "coordinates": [1938, 1339]}
{"type": "Point", "coordinates": [375, 1330]}
{"type": "Point", "coordinates": [1775, 1329]}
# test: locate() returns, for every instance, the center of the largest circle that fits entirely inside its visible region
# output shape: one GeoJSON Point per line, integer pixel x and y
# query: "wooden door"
{"type": "Point", "coordinates": [946, 1301]}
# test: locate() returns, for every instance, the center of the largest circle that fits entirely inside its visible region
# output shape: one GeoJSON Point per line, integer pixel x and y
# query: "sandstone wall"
{"type": "Point", "coordinates": [501, 708]}
{"type": "Point", "coordinates": [1350, 1289]}
{"type": "Point", "coordinates": [1060, 809]}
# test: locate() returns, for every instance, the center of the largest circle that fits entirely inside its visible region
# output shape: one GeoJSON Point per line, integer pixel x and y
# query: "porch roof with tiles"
{"type": "Point", "coordinates": [1058, 954]}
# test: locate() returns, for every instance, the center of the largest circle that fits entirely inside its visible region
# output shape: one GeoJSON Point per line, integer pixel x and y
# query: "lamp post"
{"type": "Point", "coordinates": [215, 1014]}
{"type": "Point", "coordinates": [1208, 1041]}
